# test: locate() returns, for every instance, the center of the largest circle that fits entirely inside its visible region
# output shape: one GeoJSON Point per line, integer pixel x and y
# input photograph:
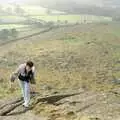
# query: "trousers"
{"type": "Point", "coordinates": [25, 87]}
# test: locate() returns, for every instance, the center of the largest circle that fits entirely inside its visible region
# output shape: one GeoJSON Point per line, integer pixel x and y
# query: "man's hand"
{"type": "Point", "coordinates": [33, 81]}
{"type": "Point", "coordinates": [12, 79]}
{"type": "Point", "coordinates": [33, 89]}
{"type": "Point", "coordinates": [11, 87]}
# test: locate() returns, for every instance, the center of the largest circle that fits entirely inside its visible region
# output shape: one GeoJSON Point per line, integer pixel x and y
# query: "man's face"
{"type": "Point", "coordinates": [28, 68]}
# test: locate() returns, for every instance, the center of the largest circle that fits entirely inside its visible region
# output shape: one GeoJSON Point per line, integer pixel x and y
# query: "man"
{"type": "Point", "coordinates": [26, 75]}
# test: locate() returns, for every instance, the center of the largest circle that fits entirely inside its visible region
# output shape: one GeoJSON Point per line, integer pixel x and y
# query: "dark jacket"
{"type": "Point", "coordinates": [22, 74]}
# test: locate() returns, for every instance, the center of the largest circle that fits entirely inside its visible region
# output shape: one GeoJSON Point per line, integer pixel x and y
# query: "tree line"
{"type": "Point", "coordinates": [8, 33]}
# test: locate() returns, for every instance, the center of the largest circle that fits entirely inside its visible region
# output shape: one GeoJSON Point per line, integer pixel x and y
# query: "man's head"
{"type": "Point", "coordinates": [29, 65]}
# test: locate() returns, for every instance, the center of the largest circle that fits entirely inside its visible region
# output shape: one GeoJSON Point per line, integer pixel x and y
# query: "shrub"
{"type": "Point", "coordinates": [13, 33]}
{"type": "Point", "coordinates": [5, 33]}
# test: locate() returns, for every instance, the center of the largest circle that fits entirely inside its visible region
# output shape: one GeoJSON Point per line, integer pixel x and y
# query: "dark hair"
{"type": "Point", "coordinates": [30, 64]}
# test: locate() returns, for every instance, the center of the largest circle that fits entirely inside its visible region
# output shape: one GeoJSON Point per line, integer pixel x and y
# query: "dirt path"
{"type": "Point", "coordinates": [26, 116]}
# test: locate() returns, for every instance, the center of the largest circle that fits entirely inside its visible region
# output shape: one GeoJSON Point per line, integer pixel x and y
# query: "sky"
{"type": "Point", "coordinates": [27, 1]}
{"type": "Point", "coordinates": [9, 1]}
{"type": "Point", "coordinates": [49, 2]}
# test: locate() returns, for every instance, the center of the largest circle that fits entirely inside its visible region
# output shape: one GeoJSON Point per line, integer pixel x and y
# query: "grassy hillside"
{"type": "Point", "coordinates": [67, 58]}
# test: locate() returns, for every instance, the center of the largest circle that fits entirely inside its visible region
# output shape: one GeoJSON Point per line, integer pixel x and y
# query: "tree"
{"type": "Point", "coordinates": [58, 21]}
{"type": "Point", "coordinates": [77, 23]}
{"type": "Point", "coordinates": [116, 18]}
{"type": "Point", "coordinates": [4, 34]}
{"type": "Point", "coordinates": [48, 11]}
{"type": "Point", "coordinates": [13, 33]}
{"type": "Point", "coordinates": [66, 21]}
{"type": "Point", "coordinates": [50, 23]}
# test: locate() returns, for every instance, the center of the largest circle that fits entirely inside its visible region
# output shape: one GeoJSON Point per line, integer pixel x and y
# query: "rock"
{"type": "Point", "coordinates": [116, 81]}
{"type": "Point", "coordinates": [1, 80]}
{"type": "Point", "coordinates": [95, 118]}
{"type": "Point", "coordinates": [116, 91]}
{"type": "Point", "coordinates": [70, 113]}
{"type": "Point", "coordinates": [55, 92]}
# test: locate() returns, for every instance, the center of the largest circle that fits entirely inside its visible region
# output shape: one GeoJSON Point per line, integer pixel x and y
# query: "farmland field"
{"type": "Point", "coordinates": [73, 18]}
{"type": "Point", "coordinates": [41, 13]}
{"type": "Point", "coordinates": [11, 19]}
{"type": "Point", "coordinates": [11, 26]}
{"type": "Point", "coordinates": [55, 18]}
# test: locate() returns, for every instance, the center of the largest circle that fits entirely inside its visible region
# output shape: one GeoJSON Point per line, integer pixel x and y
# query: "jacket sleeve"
{"type": "Point", "coordinates": [32, 79]}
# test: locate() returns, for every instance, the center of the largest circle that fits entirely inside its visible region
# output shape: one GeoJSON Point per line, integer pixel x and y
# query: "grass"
{"type": "Point", "coordinates": [73, 18]}
{"type": "Point", "coordinates": [62, 18]}
{"type": "Point", "coordinates": [73, 60]}
{"type": "Point", "coordinates": [10, 26]}
{"type": "Point", "coordinates": [66, 59]}
{"type": "Point", "coordinates": [12, 19]}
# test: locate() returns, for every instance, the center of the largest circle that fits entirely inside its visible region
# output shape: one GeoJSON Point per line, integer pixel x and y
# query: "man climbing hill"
{"type": "Point", "coordinates": [26, 75]}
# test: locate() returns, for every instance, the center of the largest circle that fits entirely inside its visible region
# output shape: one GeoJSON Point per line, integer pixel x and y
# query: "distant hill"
{"type": "Point", "coordinates": [96, 7]}
{"type": "Point", "coordinates": [85, 2]}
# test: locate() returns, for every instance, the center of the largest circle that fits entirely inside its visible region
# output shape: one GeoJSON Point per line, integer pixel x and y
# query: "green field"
{"type": "Point", "coordinates": [12, 19]}
{"type": "Point", "coordinates": [40, 13]}
{"type": "Point", "coordinates": [73, 18]}
{"type": "Point", "coordinates": [11, 26]}
{"type": "Point", "coordinates": [61, 18]}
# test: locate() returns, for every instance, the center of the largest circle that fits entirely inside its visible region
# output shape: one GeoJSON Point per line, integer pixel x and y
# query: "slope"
{"type": "Point", "coordinates": [67, 59]}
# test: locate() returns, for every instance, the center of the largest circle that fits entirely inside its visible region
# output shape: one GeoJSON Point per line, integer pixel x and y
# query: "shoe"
{"type": "Point", "coordinates": [25, 105]}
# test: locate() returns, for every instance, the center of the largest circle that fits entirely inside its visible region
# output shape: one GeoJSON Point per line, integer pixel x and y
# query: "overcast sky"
{"type": "Point", "coordinates": [24, 1]}
{"type": "Point", "coordinates": [49, 2]}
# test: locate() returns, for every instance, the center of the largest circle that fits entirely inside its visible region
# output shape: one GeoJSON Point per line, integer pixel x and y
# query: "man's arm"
{"type": "Point", "coordinates": [33, 76]}
{"type": "Point", "coordinates": [33, 70]}
{"type": "Point", "coordinates": [15, 74]}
